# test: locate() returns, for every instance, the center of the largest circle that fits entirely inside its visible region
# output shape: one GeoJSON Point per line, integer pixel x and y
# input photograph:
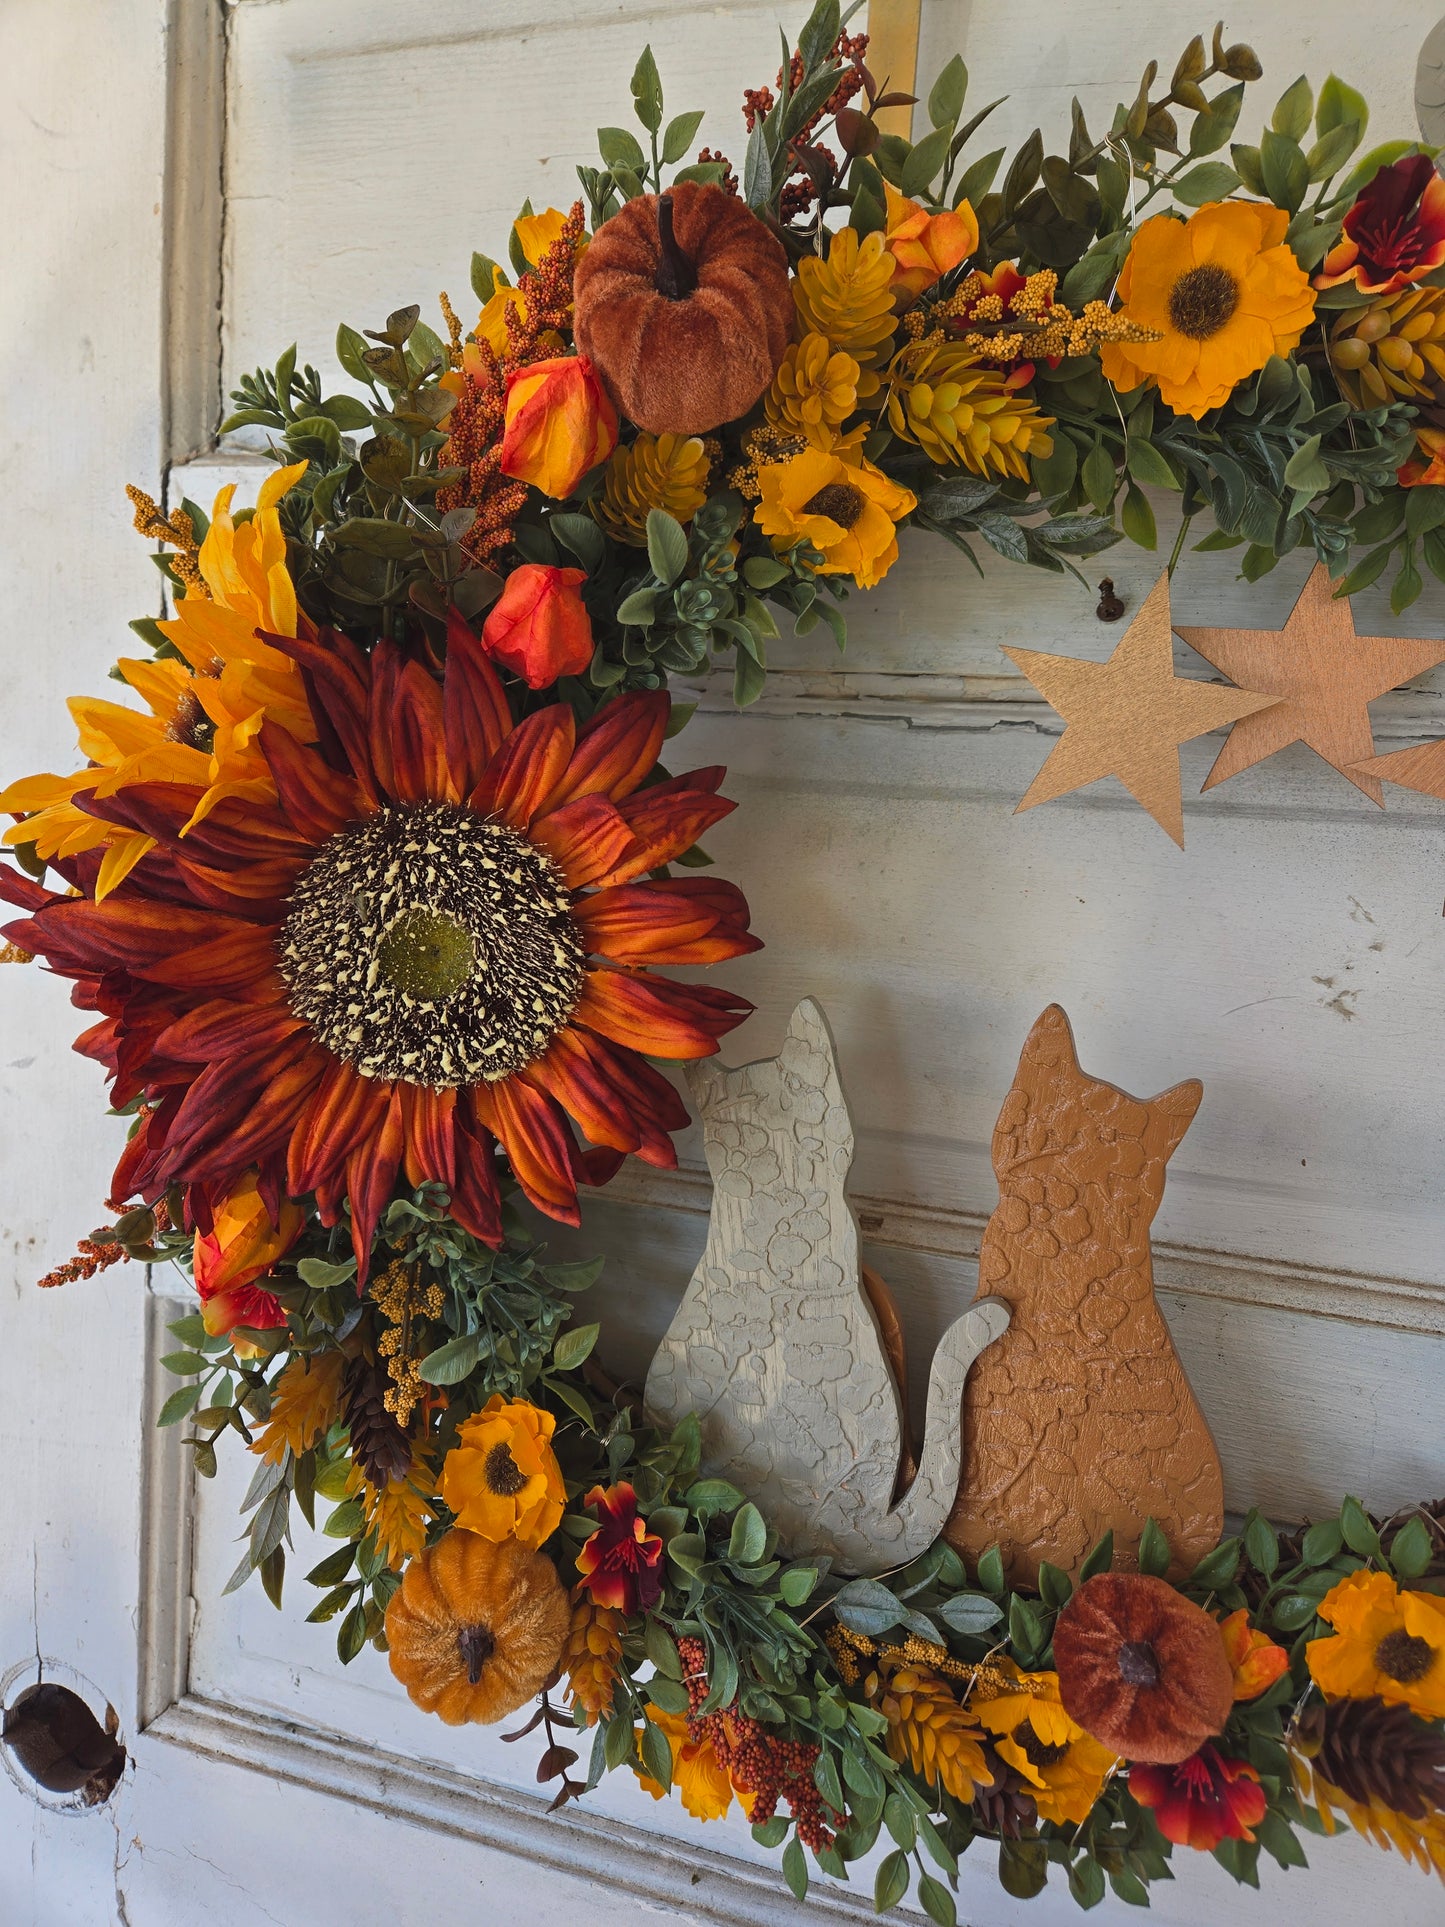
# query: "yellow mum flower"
{"type": "Point", "coordinates": [1222, 291]}
{"type": "Point", "coordinates": [501, 1478]}
{"type": "Point", "coordinates": [848, 299]}
{"type": "Point", "coordinates": [698, 1774]}
{"type": "Point", "coordinates": [848, 510]}
{"type": "Point", "coordinates": [814, 391]}
{"type": "Point", "coordinates": [1386, 1644]}
{"type": "Point", "coordinates": [1065, 1768]}
{"type": "Point", "coordinates": [229, 680]}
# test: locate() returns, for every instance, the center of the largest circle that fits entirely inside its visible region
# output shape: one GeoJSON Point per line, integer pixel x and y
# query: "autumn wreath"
{"type": "Point", "coordinates": [373, 891]}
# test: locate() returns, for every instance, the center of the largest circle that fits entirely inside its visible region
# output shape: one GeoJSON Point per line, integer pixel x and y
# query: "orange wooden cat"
{"type": "Point", "coordinates": [1080, 1419]}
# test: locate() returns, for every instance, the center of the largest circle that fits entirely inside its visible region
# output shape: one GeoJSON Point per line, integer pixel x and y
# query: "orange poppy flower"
{"type": "Point", "coordinates": [1254, 1659]}
{"type": "Point", "coordinates": [438, 938]}
{"type": "Point", "coordinates": [501, 1478]}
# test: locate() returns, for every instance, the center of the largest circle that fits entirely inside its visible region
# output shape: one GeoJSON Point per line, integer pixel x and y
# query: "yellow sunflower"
{"type": "Point", "coordinates": [1065, 1769]}
{"type": "Point", "coordinates": [848, 510]}
{"type": "Point", "coordinates": [1222, 290]}
{"type": "Point", "coordinates": [699, 1775]}
{"type": "Point", "coordinates": [1387, 1644]}
{"type": "Point", "coordinates": [501, 1478]}
{"type": "Point", "coordinates": [227, 685]}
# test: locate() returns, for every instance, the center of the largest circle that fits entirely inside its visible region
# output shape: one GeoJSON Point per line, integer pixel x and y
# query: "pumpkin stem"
{"type": "Point", "coordinates": [676, 273]}
{"type": "Point", "coordinates": [1139, 1663]}
{"type": "Point", "coordinates": [476, 1646]}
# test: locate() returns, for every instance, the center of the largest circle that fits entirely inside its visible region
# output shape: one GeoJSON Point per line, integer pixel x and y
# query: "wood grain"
{"type": "Point", "coordinates": [1127, 717]}
{"type": "Point", "coordinates": [1323, 676]}
{"type": "Point", "coordinates": [1080, 1421]}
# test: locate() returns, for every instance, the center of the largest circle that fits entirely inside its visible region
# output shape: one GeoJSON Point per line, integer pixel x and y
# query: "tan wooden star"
{"type": "Point", "coordinates": [1324, 677]}
{"type": "Point", "coordinates": [1127, 717]}
{"type": "Point", "coordinates": [1421, 767]}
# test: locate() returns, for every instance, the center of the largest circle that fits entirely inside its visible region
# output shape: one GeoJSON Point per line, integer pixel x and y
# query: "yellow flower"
{"type": "Point", "coordinates": [698, 1774]}
{"type": "Point", "coordinates": [305, 1402]}
{"type": "Point", "coordinates": [1222, 290]}
{"type": "Point", "coordinates": [397, 1512]}
{"type": "Point", "coordinates": [814, 391]}
{"type": "Point", "coordinates": [492, 325]}
{"type": "Point", "coordinates": [652, 472]}
{"type": "Point", "coordinates": [1386, 1643]}
{"type": "Point", "coordinates": [1064, 1767]}
{"type": "Point", "coordinates": [536, 233]}
{"type": "Point", "coordinates": [958, 408]}
{"type": "Point", "coordinates": [848, 299]}
{"type": "Point", "coordinates": [928, 1729]}
{"type": "Point", "coordinates": [229, 683]}
{"type": "Point", "coordinates": [849, 511]}
{"type": "Point", "coordinates": [501, 1478]}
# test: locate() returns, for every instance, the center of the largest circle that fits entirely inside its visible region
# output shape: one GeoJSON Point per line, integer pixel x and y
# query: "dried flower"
{"type": "Point", "coordinates": [305, 1404]}
{"type": "Point", "coordinates": [959, 409]}
{"type": "Point", "coordinates": [1142, 1668]}
{"type": "Point", "coordinates": [928, 1729]}
{"type": "Point", "coordinates": [848, 299]}
{"type": "Point", "coordinates": [814, 391]}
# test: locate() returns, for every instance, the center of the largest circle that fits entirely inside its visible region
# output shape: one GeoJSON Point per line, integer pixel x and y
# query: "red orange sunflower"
{"type": "Point", "coordinates": [439, 937]}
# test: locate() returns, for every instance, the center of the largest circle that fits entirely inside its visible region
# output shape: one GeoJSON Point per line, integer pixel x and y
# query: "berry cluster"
{"type": "Point", "coordinates": [760, 1764]}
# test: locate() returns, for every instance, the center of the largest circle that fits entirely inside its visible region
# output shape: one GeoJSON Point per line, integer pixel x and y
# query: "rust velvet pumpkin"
{"type": "Point", "coordinates": [683, 304]}
{"type": "Point", "coordinates": [1142, 1669]}
{"type": "Point", "coordinates": [477, 1627]}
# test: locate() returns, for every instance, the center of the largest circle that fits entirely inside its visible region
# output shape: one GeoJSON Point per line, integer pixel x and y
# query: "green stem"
{"type": "Point", "coordinates": [1178, 549]}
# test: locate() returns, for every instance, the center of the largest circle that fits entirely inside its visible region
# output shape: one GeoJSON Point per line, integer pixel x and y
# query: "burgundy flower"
{"type": "Point", "coordinates": [1395, 232]}
{"type": "Point", "coordinates": [619, 1563]}
{"type": "Point", "coordinates": [1203, 1800]}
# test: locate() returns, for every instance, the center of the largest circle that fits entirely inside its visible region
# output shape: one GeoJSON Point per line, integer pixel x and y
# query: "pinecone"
{"type": "Point", "coordinates": [1006, 1807]}
{"type": "Point", "coordinates": [1394, 351]}
{"type": "Point", "coordinates": [378, 1444]}
{"type": "Point", "coordinates": [848, 299]}
{"type": "Point", "coordinates": [592, 1660]}
{"type": "Point", "coordinates": [654, 472]}
{"type": "Point", "coordinates": [1376, 1753]}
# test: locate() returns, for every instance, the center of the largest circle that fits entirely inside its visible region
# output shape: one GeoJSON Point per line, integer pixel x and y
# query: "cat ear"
{"type": "Point", "coordinates": [1177, 1107]}
{"type": "Point", "coordinates": [707, 1082]}
{"type": "Point", "coordinates": [809, 1051]}
{"type": "Point", "coordinates": [1050, 1042]}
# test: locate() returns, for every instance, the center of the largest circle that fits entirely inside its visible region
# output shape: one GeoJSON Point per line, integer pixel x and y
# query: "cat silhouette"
{"type": "Point", "coordinates": [1080, 1420]}
{"type": "Point", "coordinates": [775, 1345]}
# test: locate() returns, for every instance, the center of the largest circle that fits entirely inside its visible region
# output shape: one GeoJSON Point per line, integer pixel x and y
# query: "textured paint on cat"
{"type": "Point", "coordinates": [1080, 1420]}
{"type": "Point", "coordinates": [774, 1344]}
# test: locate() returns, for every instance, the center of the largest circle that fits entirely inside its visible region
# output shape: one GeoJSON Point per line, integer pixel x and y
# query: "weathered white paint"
{"type": "Point", "coordinates": [1299, 1241]}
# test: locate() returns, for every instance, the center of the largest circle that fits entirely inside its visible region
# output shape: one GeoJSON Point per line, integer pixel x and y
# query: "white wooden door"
{"type": "Point", "coordinates": [189, 187]}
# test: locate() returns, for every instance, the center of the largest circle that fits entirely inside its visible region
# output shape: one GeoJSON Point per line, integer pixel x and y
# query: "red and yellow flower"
{"type": "Point", "coordinates": [560, 424]}
{"type": "Point", "coordinates": [620, 1564]}
{"type": "Point", "coordinates": [439, 937]}
{"type": "Point", "coordinates": [1203, 1800]}
{"type": "Point", "coordinates": [1255, 1659]}
{"type": "Point", "coordinates": [248, 1237]}
{"type": "Point", "coordinates": [1395, 232]}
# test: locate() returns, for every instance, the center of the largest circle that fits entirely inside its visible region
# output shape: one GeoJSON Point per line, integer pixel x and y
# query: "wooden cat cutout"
{"type": "Point", "coordinates": [775, 1345]}
{"type": "Point", "coordinates": [1080, 1420]}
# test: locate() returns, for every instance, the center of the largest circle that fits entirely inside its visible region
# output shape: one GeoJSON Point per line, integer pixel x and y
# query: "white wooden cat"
{"type": "Point", "coordinates": [775, 1346]}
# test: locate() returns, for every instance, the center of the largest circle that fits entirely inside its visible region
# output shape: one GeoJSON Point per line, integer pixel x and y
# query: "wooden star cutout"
{"type": "Point", "coordinates": [1127, 717]}
{"type": "Point", "coordinates": [1421, 767]}
{"type": "Point", "coordinates": [1324, 677]}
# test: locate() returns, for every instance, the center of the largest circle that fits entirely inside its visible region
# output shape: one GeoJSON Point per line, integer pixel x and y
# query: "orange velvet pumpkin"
{"type": "Point", "coordinates": [683, 304]}
{"type": "Point", "coordinates": [477, 1628]}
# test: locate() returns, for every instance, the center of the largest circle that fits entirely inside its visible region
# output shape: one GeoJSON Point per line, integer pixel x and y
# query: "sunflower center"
{"type": "Point", "coordinates": [476, 1646]}
{"type": "Point", "coordinates": [1404, 1657]}
{"type": "Point", "coordinates": [1201, 301]}
{"type": "Point", "coordinates": [1139, 1663]}
{"type": "Point", "coordinates": [1039, 1753]}
{"type": "Point", "coordinates": [839, 501]}
{"type": "Point", "coordinates": [503, 1475]}
{"type": "Point", "coordinates": [431, 945]}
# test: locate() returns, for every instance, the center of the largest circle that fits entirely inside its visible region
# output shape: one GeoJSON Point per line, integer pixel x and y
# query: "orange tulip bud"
{"type": "Point", "coordinates": [925, 245]}
{"type": "Point", "coordinates": [560, 424]}
{"type": "Point", "coordinates": [1253, 1656]}
{"type": "Point", "coordinates": [241, 1246]}
{"type": "Point", "coordinates": [539, 627]}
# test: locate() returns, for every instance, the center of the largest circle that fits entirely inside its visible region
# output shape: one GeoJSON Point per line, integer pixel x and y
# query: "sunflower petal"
{"type": "Point", "coordinates": [570, 1072]}
{"type": "Point", "coordinates": [657, 1017]}
{"type": "Point", "coordinates": [430, 1153]}
{"type": "Point", "coordinates": [539, 1145]}
{"type": "Point", "coordinates": [616, 748]}
{"type": "Point", "coordinates": [585, 838]}
{"type": "Point", "coordinates": [344, 1109]}
{"type": "Point", "coordinates": [478, 718]}
{"type": "Point", "coordinates": [370, 1174]}
{"type": "Point", "coordinates": [222, 1029]}
{"type": "Point", "coordinates": [665, 826]}
{"type": "Point", "coordinates": [317, 800]}
{"type": "Point", "coordinates": [476, 1199]}
{"type": "Point", "coordinates": [338, 682]}
{"type": "Point", "coordinates": [528, 767]}
{"type": "Point", "coordinates": [684, 920]}
{"type": "Point", "coordinates": [406, 730]}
